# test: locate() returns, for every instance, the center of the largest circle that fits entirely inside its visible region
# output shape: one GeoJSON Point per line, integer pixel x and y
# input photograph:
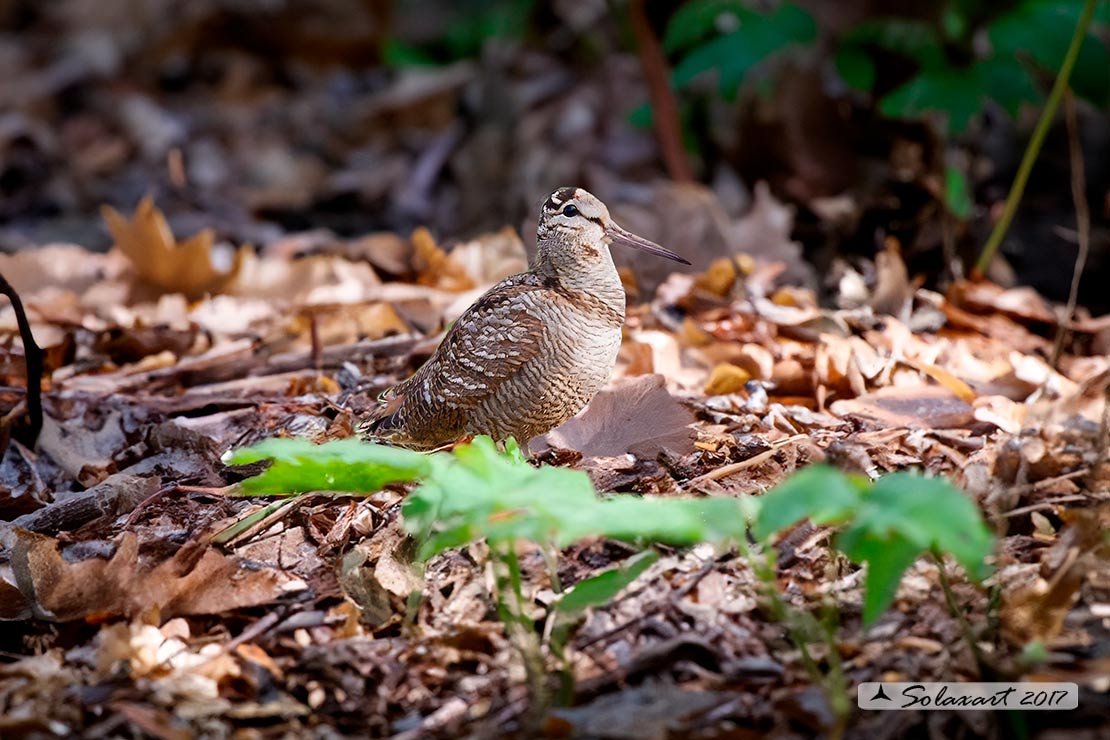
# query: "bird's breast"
{"type": "Point", "coordinates": [576, 354]}
{"type": "Point", "coordinates": [585, 340]}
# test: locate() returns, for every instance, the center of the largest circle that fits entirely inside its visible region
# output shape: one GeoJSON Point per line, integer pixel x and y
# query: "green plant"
{"type": "Point", "coordinates": [949, 71]}
{"type": "Point", "coordinates": [345, 465]}
{"type": "Point", "coordinates": [731, 38]}
{"type": "Point", "coordinates": [1033, 149]}
{"type": "Point", "coordinates": [471, 23]}
{"type": "Point", "coordinates": [477, 492]}
{"type": "Point", "coordinates": [888, 524]}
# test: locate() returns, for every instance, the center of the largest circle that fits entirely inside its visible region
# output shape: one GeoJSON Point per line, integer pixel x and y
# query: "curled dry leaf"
{"type": "Point", "coordinates": [160, 260]}
{"type": "Point", "coordinates": [893, 293]}
{"type": "Point", "coordinates": [1022, 303]}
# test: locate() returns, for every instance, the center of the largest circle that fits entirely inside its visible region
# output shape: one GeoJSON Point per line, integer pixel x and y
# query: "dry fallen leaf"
{"type": "Point", "coordinates": [61, 589]}
{"type": "Point", "coordinates": [159, 259]}
{"type": "Point", "coordinates": [726, 378]}
{"type": "Point", "coordinates": [637, 415]}
{"type": "Point", "coordinates": [436, 268]}
{"type": "Point", "coordinates": [1038, 610]}
{"type": "Point", "coordinates": [914, 407]}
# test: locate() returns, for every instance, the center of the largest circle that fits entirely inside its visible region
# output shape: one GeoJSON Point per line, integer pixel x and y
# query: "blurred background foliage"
{"type": "Point", "coordinates": [878, 123]}
{"type": "Point", "coordinates": [953, 64]}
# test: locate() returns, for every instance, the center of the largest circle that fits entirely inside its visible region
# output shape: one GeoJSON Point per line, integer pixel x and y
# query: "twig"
{"type": "Point", "coordinates": [1039, 133]}
{"type": "Point", "coordinates": [656, 609]}
{"type": "Point", "coordinates": [253, 631]}
{"type": "Point", "coordinates": [1082, 221]}
{"type": "Point", "coordinates": [732, 468]}
{"type": "Point", "coordinates": [257, 521]}
{"type": "Point", "coordinates": [317, 346]}
{"type": "Point", "coordinates": [1041, 506]}
{"type": "Point", "coordinates": [142, 505]}
{"type": "Point", "coordinates": [33, 357]}
{"type": "Point", "coordinates": [668, 128]}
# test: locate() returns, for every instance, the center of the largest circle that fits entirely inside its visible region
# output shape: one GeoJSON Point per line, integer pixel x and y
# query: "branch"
{"type": "Point", "coordinates": [33, 357]}
{"type": "Point", "coordinates": [668, 129]}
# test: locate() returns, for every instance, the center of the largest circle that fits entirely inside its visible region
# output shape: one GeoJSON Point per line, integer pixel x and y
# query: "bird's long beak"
{"type": "Point", "coordinates": [617, 235]}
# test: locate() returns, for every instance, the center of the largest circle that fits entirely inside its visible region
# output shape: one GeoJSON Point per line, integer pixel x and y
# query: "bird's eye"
{"type": "Point", "coordinates": [570, 211]}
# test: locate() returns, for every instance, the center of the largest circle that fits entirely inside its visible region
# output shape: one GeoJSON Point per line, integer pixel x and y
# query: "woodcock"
{"type": "Point", "coordinates": [534, 349]}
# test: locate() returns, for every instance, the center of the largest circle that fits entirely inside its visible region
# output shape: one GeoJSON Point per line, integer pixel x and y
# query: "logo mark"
{"type": "Point", "coordinates": [880, 694]}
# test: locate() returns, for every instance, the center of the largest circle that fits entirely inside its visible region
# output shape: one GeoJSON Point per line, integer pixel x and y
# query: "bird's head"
{"type": "Point", "coordinates": [576, 225]}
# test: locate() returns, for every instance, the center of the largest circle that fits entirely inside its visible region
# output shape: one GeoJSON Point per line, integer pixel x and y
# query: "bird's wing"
{"type": "Point", "coordinates": [486, 346]}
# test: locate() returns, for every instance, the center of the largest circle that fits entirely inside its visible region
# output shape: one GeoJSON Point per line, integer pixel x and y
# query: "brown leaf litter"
{"type": "Point", "coordinates": [727, 382]}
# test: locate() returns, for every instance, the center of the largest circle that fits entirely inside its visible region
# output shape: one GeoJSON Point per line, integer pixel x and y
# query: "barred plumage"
{"type": "Point", "coordinates": [534, 349]}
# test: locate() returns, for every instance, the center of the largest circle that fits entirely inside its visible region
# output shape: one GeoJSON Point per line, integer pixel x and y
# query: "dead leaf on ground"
{"type": "Point", "coordinates": [636, 415]}
{"type": "Point", "coordinates": [1037, 611]}
{"type": "Point", "coordinates": [55, 268]}
{"type": "Point", "coordinates": [928, 407]}
{"type": "Point", "coordinates": [436, 268]}
{"type": "Point", "coordinates": [126, 585]}
{"type": "Point", "coordinates": [162, 261]}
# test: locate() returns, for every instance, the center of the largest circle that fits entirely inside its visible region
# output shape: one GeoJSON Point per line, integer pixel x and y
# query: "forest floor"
{"type": "Point", "coordinates": [286, 270]}
{"type": "Point", "coordinates": [128, 608]}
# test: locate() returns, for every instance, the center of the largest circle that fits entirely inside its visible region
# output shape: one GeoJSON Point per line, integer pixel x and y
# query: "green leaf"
{"type": "Point", "coordinates": [904, 516]}
{"type": "Point", "coordinates": [396, 54]}
{"type": "Point", "coordinates": [948, 91]}
{"type": "Point", "coordinates": [954, 21]}
{"type": "Point", "coordinates": [855, 67]}
{"type": "Point", "coordinates": [1008, 83]}
{"type": "Point", "coordinates": [476, 492]}
{"type": "Point", "coordinates": [346, 465]}
{"type": "Point", "coordinates": [1102, 13]}
{"type": "Point", "coordinates": [600, 589]}
{"type": "Point", "coordinates": [756, 39]}
{"type": "Point", "coordinates": [957, 196]}
{"type": "Point", "coordinates": [483, 20]}
{"type": "Point", "coordinates": [933, 514]}
{"type": "Point", "coordinates": [1091, 76]}
{"type": "Point", "coordinates": [887, 559]}
{"type": "Point", "coordinates": [818, 493]}
{"type": "Point", "coordinates": [698, 19]}
{"type": "Point", "coordinates": [913, 39]}
{"type": "Point", "coordinates": [674, 521]}
{"type": "Point", "coordinates": [1041, 30]}
{"type": "Point", "coordinates": [641, 117]}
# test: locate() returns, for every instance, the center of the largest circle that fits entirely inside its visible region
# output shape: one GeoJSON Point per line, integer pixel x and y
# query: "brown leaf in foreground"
{"type": "Point", "coordinates": [174, 267]}
{"type": "Point", "coordinates": [123, 585]}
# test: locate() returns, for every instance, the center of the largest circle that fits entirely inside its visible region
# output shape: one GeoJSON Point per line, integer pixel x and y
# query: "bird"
{"type": "Point", "coordinates": [533, 350]}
